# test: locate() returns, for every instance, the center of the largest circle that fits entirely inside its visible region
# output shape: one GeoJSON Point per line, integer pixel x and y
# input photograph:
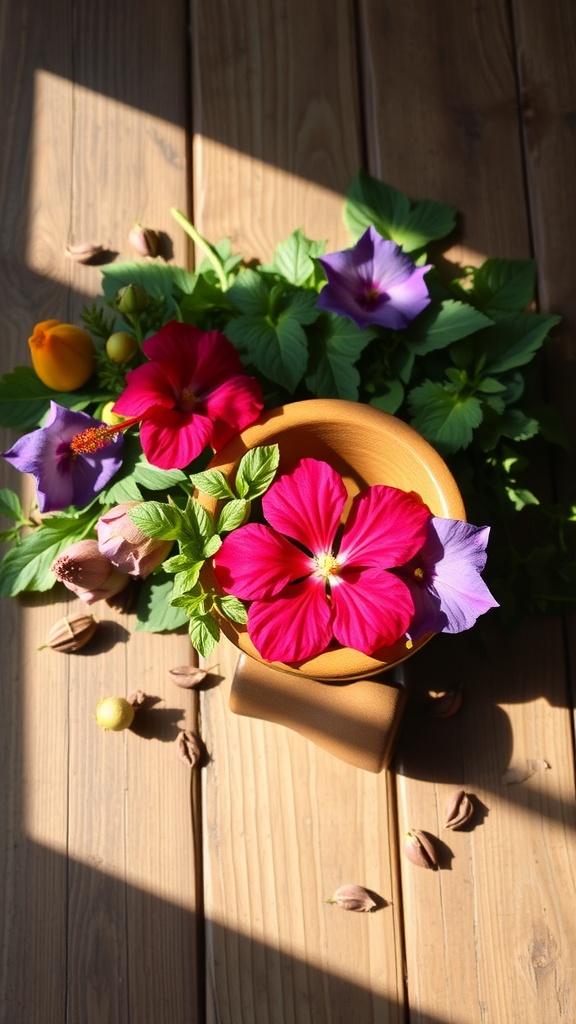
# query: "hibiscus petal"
{"type": "Point", "coordinates": [372, 609]}
{"type": "Point", "coordinates": [385, 528]}
{"type": "Point", "coordinates": [307, 504]}
{"type": "Point", "coordinates": [175, 349]}
{"type": "Point", "coordinates": [146, 388]}
{"type": "Point", "coordinates": [256, 562]}
{"type": "Point", "coordinates": [231, 407]}
{"type": "Point", "coordinates": [293, 626]}
{"type": "Point", "coordinates": [217, 360]}
{"type": "Point", "coordinates": [171, 440]}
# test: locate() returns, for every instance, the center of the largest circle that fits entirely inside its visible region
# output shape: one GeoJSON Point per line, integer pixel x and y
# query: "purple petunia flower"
{"type": "Point", "coordinates": [444, 578]}
{"type": "Point", "coordinates": [375, 282]}
{"type": "Point", "coordinates": [65, 476]}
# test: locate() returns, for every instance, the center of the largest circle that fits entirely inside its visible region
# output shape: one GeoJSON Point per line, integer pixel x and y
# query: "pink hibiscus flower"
{"type": "Point", "coordinates": [191, 393]}
{"type": "Point", "coordinates": [308, 585]}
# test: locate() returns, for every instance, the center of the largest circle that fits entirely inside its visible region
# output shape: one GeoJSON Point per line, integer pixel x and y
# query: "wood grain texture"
{"type": "Point", "coordinates": [99, 861]}
{"type": "Point", "coordinates": [482, 942]}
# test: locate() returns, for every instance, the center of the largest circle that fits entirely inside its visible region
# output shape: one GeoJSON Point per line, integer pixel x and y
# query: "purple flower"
{"type": "Point", "coordinates": [444, 578]}
{"type": "Point", "coordinates": [374, 283]}
{"type": "Point", "coordinates": [65, 475]}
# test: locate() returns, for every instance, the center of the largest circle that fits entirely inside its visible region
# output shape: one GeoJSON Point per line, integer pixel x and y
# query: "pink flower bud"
{"type": "Point", "coordinates": [126, 546]}
{"type": "Point", "coordinates": [88, 573]}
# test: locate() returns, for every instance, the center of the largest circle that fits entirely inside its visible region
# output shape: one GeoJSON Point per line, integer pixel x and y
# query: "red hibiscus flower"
{"type": "Point", "coordinates": [307, 584]}
{"type": "Point", "coordinates": [191, 393]}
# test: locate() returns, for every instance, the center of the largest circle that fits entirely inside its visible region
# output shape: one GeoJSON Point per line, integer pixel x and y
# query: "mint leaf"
{"type": "Point", "coordinates": [186, 580]}
{"type": "Point", "coordinates": [441, 325]}
{"type": "Point", "coordinates": [514, 339]}
{"type": "Point", "coordinates": [393, 215]}
{"type": "Point", "coordinates": [27, 565]}
{"type": "Point", "coordinates": [293, 258]}
{"type": "Point", "coordinates": [198, 526]}
{"type": "Point", "coordinates": [504, 284]}
{"type": "Point", "coordinates": [256, 471]}
{"type": "Point", "coordinates": [335, 347]}
{"type": "Point", "coordinates": [212, 545]}
{"type": "Point", "coordinates": [10, 505]}
{"type": "Point", "coordinates": [212, 482]}
{"type": "Point", "coordinates": [204, 633]}
{"type": "Point", "coordinates": [443, 417]}
{"type": "Point", "coordinates": [158, 520]}
{"type": "Point", "coordinates": [232, 515]}
{"type": "Point", "coordinates": [249, 293]}
{"type": "Point", "coordinates": [232, 608]}
{"type": "Point", "coordinates": [155, 479]}
{"type": "Point", "coordinates": [154, 613]}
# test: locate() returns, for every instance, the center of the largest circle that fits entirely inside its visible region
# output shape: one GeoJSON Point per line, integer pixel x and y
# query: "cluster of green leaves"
{"type": "Point", "coordinates": [199, 536]}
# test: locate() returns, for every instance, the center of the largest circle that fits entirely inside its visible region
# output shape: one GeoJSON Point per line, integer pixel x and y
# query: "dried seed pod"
{"type": "Point", "coordinates": [419, 848]}
{"type": "Point", "coordinates": [353, 897]}
{"type": "Point", "coordinates": [136, 698]}
{"type": "Point", "coordinates": [84, 252]}
{"type": "Point", "coordinates": [444, 703]}
{"type": "Point", "coordinates": [71, 633]}
{"type": "Point", "coordinates": [459, 810]}
{"type": "Point", "coordinates": [145, 241]}
{"type": "Point", "coordinates": [188, 748]}
{"type": "Point", "coordinates": [187, 676]}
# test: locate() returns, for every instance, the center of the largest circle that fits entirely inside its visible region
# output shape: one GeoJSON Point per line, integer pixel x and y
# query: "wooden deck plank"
{"type": "Point", "coordinates": [100, 880]}
{"type": "Point", "coordinates": [277, 121]}
{"type": "Point", "coordinates": [488, 939]}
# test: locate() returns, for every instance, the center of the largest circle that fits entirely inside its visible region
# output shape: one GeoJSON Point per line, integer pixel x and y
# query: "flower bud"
{"type": "Point", "coordinates": [121, 347]}
{"type": "Point", "coordinates": [145, 241]}
{"type": "Point", "coordinates": [124, 544]}
{"type": "Point", "coordinates": [131, 300]}
{"type": "Point", "coordinates": [88, 573]}
{"type": "Point", "coordinates": [62, 355]}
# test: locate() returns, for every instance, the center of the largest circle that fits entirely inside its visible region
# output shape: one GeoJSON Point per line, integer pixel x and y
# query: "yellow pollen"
{"type": "Point", "coordinates": [93, 439]}
{"type": "Point", "coordinates": [327, 564]}
{"type": "Point", "coordinates": [418, 573]}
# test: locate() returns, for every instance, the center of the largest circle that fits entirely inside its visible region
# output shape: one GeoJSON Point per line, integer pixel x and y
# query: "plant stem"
{"type": "Point", "coordinates": [202, 244]}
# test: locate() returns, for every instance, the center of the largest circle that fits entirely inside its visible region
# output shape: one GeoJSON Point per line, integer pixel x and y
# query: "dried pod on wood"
{"type": "Point", "coordinates": [71, 632]}
{"type": "Point", "coordinates": [459, 810]}
{"type": "Point", "coordinates": [419, 848]}
{"type": "Point", "coordinates": [145, 241]}
{"type": "Point", "coordinates": [189, 748]}
{"type": "Point", "coordinates": [353, 897]}
{"type": "Point", "coordinates": [444, 703]}
{"type": "Point", "coordinates": [85, 252]}
{"type": "Point", "coordinates": [187, 676]}
{"type": "Point", "coordinates": [136, 698]}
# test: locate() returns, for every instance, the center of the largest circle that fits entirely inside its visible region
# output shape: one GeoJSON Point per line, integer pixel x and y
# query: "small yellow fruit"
{"type": "Point", "coordinates": [114, 713]}
{"type": "Point", "coordinates": [121, 347]}
{"type": "Point", "coordinates": [108, 416]}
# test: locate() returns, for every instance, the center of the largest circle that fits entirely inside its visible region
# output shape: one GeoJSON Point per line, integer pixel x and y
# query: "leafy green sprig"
{"type": "Point", "coordinates": [199, 536]}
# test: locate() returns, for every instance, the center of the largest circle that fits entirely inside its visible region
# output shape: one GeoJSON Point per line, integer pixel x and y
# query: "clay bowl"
{"type": "Point", "coordinates": [366, 447]}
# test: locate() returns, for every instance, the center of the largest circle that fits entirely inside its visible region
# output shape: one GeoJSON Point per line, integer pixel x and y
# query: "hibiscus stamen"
{"type": "Point", "coordinates": [327, 564]}
{"type": "Point", "coordinates": [186, 400]}
{"type": "Point", "coordinates": [94, 438]}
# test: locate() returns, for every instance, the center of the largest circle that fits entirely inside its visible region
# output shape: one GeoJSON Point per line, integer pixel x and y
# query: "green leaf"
{"type": "Point", "coordinates": [158, 520]}
{"type": "Point", "coordinates": [198, 526]}
{"type": "Point", "coordinates": [293, 258]}
{"type": "Point", "coordinates": [393, 215]}
{"type": "Point", "coordinates": [514, 339]}
{"type": "Point", "coordinates": [232, 609]}
{"type": "Point", "coordinates": [155, 479]}
{"type": "Point", "coordinates": [511, 423]}
{"type": "Point", "coordinates": [301, 305]}
{"type": "Point", "coordinates": [27, 565]}
{"type": "Point", "coordinates": [154, 612]}
{"type": "Point", "coordinates": [504, 284]}
{"type": "Point", "coordinates": [24, 399]}
{"type": "Point", "coordinates": [443, 417]}
{"type": "Point", "coordinates": [391, 400]}
{"type": "Point", "coordinates": [249, 293]}
{"type": "Point", "coordinates": [212, 545]}
{"type": "Point", "coordinates": [256, 471]}
{"type": "Point", "coordinates": [232, 515]}
{"type": "Point", "coordinates": [186, 580]}
{"type": "Point", "coordinates": [335, 346]}
{"type": "Point", "coordinates": [212, 482]}
{"type": "Point", "coordinates": [439, 326]}
{"type": "Point", "coordinates": [204, 633]}
{"type": "Point", "coordinates": [10, 505]}
{"type": "Point", "coordinates": [155, 277]}
{"type": "Point", "coordinates": [181, 563]}
{"type": "Point", "coordinates": [121, 490]}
